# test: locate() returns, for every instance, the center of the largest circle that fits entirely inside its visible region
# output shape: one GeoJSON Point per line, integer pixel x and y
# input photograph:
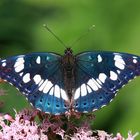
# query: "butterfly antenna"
{"type": "Point", "coordinates": [83, 35]}
{"type": "Point", "coordinates": [46, 27]}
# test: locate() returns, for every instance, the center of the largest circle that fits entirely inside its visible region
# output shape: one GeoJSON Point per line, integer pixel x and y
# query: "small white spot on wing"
{"type": "Point", "coordinates": [135, 57]}
{"type": "Point", "coordinates": [98, 81]}
{"type": "Point", "coordinates": [95, 109]}
{"type": "Point", "coordinates": [89, 89]}
{"type": "Point", "coordinates": [103, 106]}
{"type": "Point", "coordinates": [19, 61]}
{"type": "Point", "coordinates": [77, 93]}
{"type": "Point", "coordinates": [31, 104]}
{"type": "Point", "coordinates": [26, 78]}
{"type": "Point", "coordinates": [98, 85]}
{"type": "Point", "coordinates": [47, 58]}
{"type": "Point", "coordinates": [119, 58]}
{"type": "Point", "coordinates": [43, 85]}
{"type": "Point", "coordinates": [4, 64]}
{"type": "Point", "coordinates": [23, 93]}
{"type": "Point", "coordinates": [99, 58]}
{"type": "Point", "coordinates": [47, 112]}
{"type": "Point", "coordinates": [40, 83]}
{"type": "Point", "coordinates": [85, 111]}
{"type": "Point", "coordinates": [19, 64]}
{"type": "Point", "coordinates": [38, 109]}
{"type": "Point", "coordinates": [113, 75]}
{"type": "Point", "coordinates": [51, 91]}
{"type": "Point", "coordinates": [83, 90]}
{"type": "Point", "coordinates": [119, 62]}
{"type": "Point", "coordinates": [64, 95]}
{"type": "Point", "coordinates": [21, 74]}
{"type": "Point", "coordinates": [89, 57]}
{"type": "Point", "coordinates": [37, 78]}
{"type": "Point", "coordinates": [19, 68]}
{"type": "Point", "coordinates": [123, 86]}
{"type": "Point", "coordinates": [135, 61]}
{"type": "Point", "coordinates": [4, 60]}
{"type": "Point", "coordinates": [38, 60]}
{"type": "Point", "coordinates": [118, 71]}
{"type": "Point", "coordinates": [47, 87]}
{"type": "Point", "coordinates": [17, 88]}
{"type": "Point", "coordinates": [119, 65]}
{"type": "Point", "coordinates": [102, 77]}
{"type": "Point", "coordinates": [10, 83]}
{"type": "Point", "coordinates": [57, 91]}
{"type": "Point", "coordinates": [92, 84]}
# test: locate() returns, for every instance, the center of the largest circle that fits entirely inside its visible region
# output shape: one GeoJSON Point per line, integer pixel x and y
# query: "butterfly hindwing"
{"type": "Point", "coordinates": [39, 77]}
{"type": "Point", "coordinates": [99, 75]}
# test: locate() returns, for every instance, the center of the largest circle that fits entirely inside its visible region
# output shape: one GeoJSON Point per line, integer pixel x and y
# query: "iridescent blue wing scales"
{"type": "Point", "coordinates": [39, 77]}
{"type": "Point", "coordinates": [99, 75]}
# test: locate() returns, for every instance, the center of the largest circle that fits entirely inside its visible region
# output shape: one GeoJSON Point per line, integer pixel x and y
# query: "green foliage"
{"type": "Point", "coordinates": [117, 29]}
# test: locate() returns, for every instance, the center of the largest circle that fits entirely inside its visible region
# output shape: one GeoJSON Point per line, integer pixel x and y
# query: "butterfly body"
{"type": "Point", "coordinates": [58, 84]}
{"type": "Point", "coordinates": [68, 64]}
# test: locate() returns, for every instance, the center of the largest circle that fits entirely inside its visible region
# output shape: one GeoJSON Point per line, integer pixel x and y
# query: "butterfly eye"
{"type": "Point", "coordinates": [68, 51]}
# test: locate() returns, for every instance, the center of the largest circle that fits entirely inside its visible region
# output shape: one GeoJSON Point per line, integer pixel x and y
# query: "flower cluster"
{"type": "Point", "coordinates": [33, 125]}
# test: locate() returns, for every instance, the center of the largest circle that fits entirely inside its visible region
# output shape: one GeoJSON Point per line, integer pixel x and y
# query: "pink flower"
{"type": "Point", "coordinates": [24, 127]}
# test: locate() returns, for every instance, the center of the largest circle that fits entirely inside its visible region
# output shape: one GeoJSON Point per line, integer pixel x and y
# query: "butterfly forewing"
{"type": "Point", "coordinates": [99, 75]}
{"type": "Point", "coordinates": [39, 77]}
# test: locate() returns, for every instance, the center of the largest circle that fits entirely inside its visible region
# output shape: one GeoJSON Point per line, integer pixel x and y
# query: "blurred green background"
{"type": "Point", "coordinates": [117, 29]}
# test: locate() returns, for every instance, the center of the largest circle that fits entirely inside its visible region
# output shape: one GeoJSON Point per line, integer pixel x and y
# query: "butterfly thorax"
{"type": "Point", "coordinates": [68, 62]}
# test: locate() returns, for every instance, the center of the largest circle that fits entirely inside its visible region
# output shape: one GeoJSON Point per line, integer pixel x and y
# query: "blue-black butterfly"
{"type": "Point", "coordinates": [57, 84]}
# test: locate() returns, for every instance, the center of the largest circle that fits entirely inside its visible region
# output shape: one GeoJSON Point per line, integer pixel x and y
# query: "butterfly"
{"type": "Point", "coordinates": [57, 84]}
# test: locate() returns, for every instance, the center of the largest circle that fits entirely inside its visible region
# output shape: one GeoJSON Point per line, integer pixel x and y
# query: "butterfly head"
{"type": "Point", "coordinates": [68, 51]}
{"type": "Point", "coordinates": [68, 59]}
